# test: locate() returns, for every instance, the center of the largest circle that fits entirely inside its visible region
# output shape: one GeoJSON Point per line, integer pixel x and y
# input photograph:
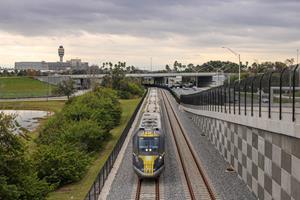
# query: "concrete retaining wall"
{"type": "Point", "coordinates": [268, 162]}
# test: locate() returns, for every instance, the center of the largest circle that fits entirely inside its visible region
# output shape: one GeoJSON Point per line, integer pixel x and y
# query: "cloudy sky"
{"type": "Point", "coordinates": [136, 30]}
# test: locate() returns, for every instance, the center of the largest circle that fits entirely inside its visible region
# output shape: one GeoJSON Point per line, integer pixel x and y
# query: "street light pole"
{"type": "Point", "coordinates": [297, 56]}
{"type": "Point", "coordinates": [239, 57]}
{"type": "Point", "coordinates": [239, 67]}
{"type": "Point", "coordinates": [151, 64]}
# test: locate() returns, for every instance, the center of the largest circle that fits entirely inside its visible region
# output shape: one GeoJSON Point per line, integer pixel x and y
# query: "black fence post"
{"type": "Point", "coordinates": [207, 103]}
{"type": "Point", "coordinates": [221, 98]}
{"type": "Point", "coordinates": [214, 100]}
{"type": "Point", "coordinates": [95, 192]}
{"type": "Point", "coordinates": [239, 97]}
{"type": "Point", "coordinates": [209, 95]}
{"type": "Point", "coordinates": [252, 94]}
{"type": "Point", "coordinates": [204, 96]}
{"type": "Point", "coordinates": [270, 82]}
{"type": "Point", "coordinates": [280, 93]}
{"type": "Point", "coordinates": [294, 87]}
{"type": "Point", "coordinates": [225, 99]}
{"type": "Point", "coordinates": [202, 101]}
{"type": "Point", "coordinates": [245, 96]}
{"type": "Point", "coordinates": [229, 98]}
{"type": "Point", "coordinates": [234, 97]}
{"type": "Point", "coordinates": [218, 92]}
{"type": "Point", "coordinates": [260, 94]}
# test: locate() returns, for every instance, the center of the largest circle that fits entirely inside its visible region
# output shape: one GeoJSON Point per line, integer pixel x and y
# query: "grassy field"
{"type": "Point", "coordinates": [77, 191]}
{"type": "Point", "coordinates": [18, 87]}
{"type": "Point", "coordinates": [53, 106]}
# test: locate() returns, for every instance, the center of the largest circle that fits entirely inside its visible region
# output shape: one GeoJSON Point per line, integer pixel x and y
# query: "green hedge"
{"type": "Point", "coordinates": [69, 138]}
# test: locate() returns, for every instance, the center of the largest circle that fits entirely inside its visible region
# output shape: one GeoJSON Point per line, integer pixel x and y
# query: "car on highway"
{"type": "Point", "coordinates": [265, 100]}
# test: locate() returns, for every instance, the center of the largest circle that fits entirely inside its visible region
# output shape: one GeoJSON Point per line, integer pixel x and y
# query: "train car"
{"type": "Point", "coordinates": [148, 140]}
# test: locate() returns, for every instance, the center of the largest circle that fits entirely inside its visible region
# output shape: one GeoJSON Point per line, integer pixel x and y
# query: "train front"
{"type": "Point", "coordinates": [148, 155]}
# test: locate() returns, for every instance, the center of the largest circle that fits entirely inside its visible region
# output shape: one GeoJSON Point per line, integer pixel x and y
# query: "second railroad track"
{"type": "Point", "coordinates": [195, 177]}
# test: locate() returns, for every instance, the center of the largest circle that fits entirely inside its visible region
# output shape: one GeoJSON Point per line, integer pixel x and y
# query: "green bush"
{"type": "Point", "coordinates": [129, 89]}
{"type": "Point", "coordinates": [68, 138]}
{"type": "Point", "coordinates": [52, 129]}
{"type": "Point", "coordinates": [124, 94]}
{"type": "Point", "coordinates": [95, 106]}
{"type": "Point", "coordinates": [60, 163]}
{"type": "Point", "coordinates": [17, 177]}
{"type": "Point", "coordinates": [135, 89]}
{"type": "Point", "coordinates": [87, 134]}
{"type": "Point", "coordinates": [34, 188]}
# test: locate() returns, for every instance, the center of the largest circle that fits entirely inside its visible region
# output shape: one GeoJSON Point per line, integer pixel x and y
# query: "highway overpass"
{"type": "Point", "coordinates": [200, 79]}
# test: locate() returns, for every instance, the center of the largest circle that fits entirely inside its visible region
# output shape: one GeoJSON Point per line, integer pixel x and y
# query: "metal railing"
{"type": "Point", "coordinates": [275, 95]}
{"type": "Point", "coordinates": [98, 184]}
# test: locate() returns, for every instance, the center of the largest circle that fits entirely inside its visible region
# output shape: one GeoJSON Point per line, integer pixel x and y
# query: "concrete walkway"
{"type": "Point", "coordinates": [60, 98]}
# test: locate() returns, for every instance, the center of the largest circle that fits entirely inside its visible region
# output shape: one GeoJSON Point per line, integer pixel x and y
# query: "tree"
{"type": "Point", "coordinates": [17, 177]}
{"type": "Point", "coordinates": [66, 88]}
{"type": "Point", "coordinates": [289, 61]}
{"type": "Point", "coordinates": [61, 163]}
{"type": "Point", "coordinates": [168, 69]}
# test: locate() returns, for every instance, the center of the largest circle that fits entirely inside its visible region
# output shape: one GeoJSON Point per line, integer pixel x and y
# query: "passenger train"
{"type": "Point", "coordinates": [148, 140]}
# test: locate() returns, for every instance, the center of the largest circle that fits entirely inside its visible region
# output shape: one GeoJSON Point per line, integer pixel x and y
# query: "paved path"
{"type": "Point", "coordinates": [78, 93]}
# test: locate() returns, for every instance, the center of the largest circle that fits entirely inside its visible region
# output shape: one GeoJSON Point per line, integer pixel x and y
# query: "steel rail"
{"type": "Point", "coordinates": [188, 181]}
{"type": "Point", "coordinates": [199, 167]}
{"type": "Point", "coordinates": [157, 189]}
{"type": "Point", "coordinates": [139, 189]}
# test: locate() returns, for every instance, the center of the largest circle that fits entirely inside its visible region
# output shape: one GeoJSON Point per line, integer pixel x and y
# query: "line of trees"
{"type": "Point", "coordinates": [126, 87]}
{"type": "Point", "coordinates": [229, 67]}
{"type": "Point", "coordinates": [211, 66]}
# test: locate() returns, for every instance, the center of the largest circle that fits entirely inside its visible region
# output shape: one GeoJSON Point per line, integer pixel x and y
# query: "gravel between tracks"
{"type": "Point", "coordinates": [227, 185]}
{"type": "Point", "coordinates": [173, 186]}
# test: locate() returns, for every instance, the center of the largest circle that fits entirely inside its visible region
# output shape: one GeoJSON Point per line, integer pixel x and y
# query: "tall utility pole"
{"type": "Point", "coordinates": [239, 57]}
{"type": "Point", "coordinates": [297, 56]}
{"type": "Point", "coordinates": [151, 63]}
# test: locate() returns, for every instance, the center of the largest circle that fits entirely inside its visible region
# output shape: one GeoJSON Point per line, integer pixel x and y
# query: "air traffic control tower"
{"type": "Point", "coordinates": [61, 53]}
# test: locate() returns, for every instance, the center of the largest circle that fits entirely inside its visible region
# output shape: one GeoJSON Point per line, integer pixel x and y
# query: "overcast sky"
{"type": "Point", "coordinates": [135, 30]}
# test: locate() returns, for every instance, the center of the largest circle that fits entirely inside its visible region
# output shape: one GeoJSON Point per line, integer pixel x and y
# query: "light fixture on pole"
{"type": "Point", "coordinates": [239, 56]}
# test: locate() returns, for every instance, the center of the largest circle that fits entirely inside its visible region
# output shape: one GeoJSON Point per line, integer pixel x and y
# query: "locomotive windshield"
{"type": "Point", "coordinates": [148, 145]}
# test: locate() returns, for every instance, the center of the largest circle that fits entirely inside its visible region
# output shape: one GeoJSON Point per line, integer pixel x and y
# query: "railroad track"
{"type": "Point", "coordinates": [147, 189]}
{"type": "Point", "coordinates": [196, 180]}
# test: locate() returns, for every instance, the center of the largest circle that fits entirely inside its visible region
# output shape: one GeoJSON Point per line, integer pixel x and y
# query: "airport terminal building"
{"type": "Point", "coordinates": [73, 64]}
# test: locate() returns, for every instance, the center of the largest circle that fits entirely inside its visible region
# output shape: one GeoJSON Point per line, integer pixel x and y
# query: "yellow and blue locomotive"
{"type": "Point", "coordinates": [148, 140]}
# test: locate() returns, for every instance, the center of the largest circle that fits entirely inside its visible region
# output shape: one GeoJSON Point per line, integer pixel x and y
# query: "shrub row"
{"type": "Point", "coordinates": [129, 89]}
{"type": "Point", "coordinates": [69, 138]}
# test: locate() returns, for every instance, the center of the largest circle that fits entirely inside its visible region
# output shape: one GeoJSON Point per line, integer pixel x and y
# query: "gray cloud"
{"type": "Point", "coordinates": [203, 22]}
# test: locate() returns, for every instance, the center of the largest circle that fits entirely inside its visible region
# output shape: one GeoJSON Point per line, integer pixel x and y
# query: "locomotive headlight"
{"type": "Point", "coordinates": [160, 157]}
